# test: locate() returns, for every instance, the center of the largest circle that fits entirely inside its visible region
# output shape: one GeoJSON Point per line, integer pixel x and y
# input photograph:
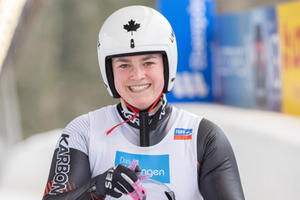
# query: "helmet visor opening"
{"type": "Point", "coordinates": [110, 75]}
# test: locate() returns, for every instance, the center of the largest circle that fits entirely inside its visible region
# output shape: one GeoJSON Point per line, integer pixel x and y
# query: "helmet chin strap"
{"type": "Point", "coordinates": [144, 118]}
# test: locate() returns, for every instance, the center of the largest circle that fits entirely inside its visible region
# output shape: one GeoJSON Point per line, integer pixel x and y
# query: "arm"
{"type": "Point", "coordinates": [72, 183]}
{"type": "Point", "coordinates": [218, 176]}
{"type": "Point", "coordinates": [70, 176]}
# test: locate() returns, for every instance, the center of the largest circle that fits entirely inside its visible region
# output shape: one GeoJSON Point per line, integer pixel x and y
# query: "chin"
{"type": "Point", "coordinates": [142, 106]}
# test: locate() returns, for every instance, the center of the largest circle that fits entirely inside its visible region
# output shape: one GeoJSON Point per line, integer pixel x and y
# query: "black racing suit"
{"type": "Point", "coordinates": [218, 176]}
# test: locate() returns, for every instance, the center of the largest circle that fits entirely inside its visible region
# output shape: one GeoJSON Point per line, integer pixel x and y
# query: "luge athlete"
{"type": "Point", "coordinates": [137, 55]}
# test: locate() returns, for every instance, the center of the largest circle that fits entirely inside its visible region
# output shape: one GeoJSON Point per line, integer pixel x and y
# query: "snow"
{"type": "Point", "coordinates": [25, 168]}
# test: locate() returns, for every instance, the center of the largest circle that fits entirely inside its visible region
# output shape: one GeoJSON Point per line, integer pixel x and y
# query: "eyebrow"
{"type": "Point", "coordinates": [142, 59]}
{"type": "Point", "coordinates": [148, 57]}
{"type": "Point", "coordinates": [122, 60]}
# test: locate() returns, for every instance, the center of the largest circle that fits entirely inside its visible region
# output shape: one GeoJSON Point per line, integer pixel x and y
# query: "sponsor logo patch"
{"type": "Point", "coordinates": [62, 168]}
{"type": "Point", "coordinates": [183, 134]}
{"type": "Point", "coordinates": [156, 165]}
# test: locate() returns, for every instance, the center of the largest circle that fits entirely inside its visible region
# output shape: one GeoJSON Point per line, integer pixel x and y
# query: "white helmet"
{"type": "Point", "coordinates": [155, 191]}
{"type": "Point", "coordinates": [136, 30]}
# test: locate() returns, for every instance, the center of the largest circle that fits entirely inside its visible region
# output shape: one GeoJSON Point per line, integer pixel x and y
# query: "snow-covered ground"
{"type": "Point", "coordinates": [25, 168]}
{"type": "Point", "coordinates": [266, 144]}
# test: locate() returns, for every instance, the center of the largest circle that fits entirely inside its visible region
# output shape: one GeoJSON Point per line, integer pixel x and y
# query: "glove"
{"type": "Point", "coordinates": [120, 180]}
{"type": "Point", "coordinates": [136, 194]}
{"type": "Point", "coordinates": [137, 170]}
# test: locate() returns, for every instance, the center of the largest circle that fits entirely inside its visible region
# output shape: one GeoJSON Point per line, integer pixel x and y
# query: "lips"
{"type": "Point", "coordinates": [139, 88]}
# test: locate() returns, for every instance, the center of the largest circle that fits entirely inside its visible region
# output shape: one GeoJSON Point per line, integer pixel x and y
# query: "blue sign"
{"type": "Point", "coordinates": [193, 24]}
{"type": "Point", "coordinates": [249, 60]}
{"type": "Point", "coordinates": [234, 69]}
{"type": "Point", "coordinates": [156, 165]}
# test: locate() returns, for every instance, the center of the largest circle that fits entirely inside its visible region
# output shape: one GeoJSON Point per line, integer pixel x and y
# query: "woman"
{"type": "Point", "coordinates": [137, 55]}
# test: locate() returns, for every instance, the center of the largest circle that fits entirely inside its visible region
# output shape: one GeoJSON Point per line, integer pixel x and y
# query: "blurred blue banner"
{"type": "Point", "coordinates": [249, 60]}
{"type": "Point", "coordinates": [234, 68]}
{"type": "Point", "coordinates": [194, 27]}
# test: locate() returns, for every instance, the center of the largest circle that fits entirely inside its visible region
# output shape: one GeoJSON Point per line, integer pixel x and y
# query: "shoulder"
{"type": "Point", "coordinates": [186, 114]}
{"type": "Point", "coordinates": [77, 133]}
{"type": "Point", "coordinates": [209, 132]}
{"type": "Point", "coordinates": [212, 142]}
{"type": "Point", "coordinates": [81, 125]}
{"type": "Point", "coordinates": [103, 112]}
{"type": "Point", "coordinates": [105, 109]}
{"type": "Point", "coordinates": [206, 127]}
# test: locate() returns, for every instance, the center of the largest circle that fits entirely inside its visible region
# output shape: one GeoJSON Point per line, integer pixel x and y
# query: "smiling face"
{"type": "Point", "coordinates": [139, 79]}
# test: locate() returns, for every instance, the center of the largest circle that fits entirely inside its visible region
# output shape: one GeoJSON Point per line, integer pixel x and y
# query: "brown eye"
{"type": "Point", "coordinates": [148, 63]}
{"type": "Point", "coordinates": [124, 66]}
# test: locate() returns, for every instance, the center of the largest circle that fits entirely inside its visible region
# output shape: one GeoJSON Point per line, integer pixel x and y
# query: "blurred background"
{"type": "Point", "coordinates": [49, 67]}
{"type": "Point", "coordinates": [51, 74]}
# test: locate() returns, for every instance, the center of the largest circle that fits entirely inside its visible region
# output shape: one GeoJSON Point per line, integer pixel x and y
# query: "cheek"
{"type": "Point", "coordinates": [118, 79]}
{"type": "Point", "coordinates": [162, 83]}
{"type": "Point", "coordinates": [160, 79]}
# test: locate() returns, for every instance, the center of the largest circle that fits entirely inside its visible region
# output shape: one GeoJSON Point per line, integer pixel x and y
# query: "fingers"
{"type": "Point", "coordinates": [133, 165]}
{"type": "Point", "coordinates": [143, 177]}
{"type": "Point", "coordinates": [129, 180]}
{"type": "Point", "coordinates": [130, 175]}
{"type": "Point", "coordinates": [137, 170]}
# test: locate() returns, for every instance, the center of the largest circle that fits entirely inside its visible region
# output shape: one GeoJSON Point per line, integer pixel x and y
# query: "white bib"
{"type": "Point", "coordinates": [173, 161]}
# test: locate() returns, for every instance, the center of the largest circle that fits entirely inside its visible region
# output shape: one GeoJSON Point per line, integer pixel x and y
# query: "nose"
{"type": "Point", "coordinates": [137, 73]}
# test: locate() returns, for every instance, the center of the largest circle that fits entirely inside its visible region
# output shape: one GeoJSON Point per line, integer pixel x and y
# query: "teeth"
{"type": "Point", "coordinates": [139, 88]}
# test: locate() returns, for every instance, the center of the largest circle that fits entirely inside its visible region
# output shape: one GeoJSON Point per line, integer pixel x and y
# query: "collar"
{"type": "Point", "coordinates": [153, 120]}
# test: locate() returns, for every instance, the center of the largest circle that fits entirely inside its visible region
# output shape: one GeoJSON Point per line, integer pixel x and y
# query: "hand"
{"type": "Point", "coordinates": [120, 180]}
